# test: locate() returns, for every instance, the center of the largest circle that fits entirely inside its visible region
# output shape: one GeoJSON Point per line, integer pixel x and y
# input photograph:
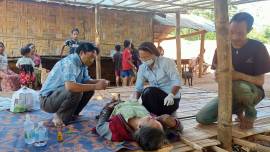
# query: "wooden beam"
{"type": "Point", "coordinates": [186, 35]}
{"type": "Point", "coordinates": [224, 71]}
{"type": "Point", "coordinates": [217, 149]}
{"type": "Point", "coordinates": [262, 137]}
{"type": "Point", "coordinates": [252, 146]}
{"type": "Point", "coordinates": [201, 55]}
{"type": "Point", "coordinates": [97, 41]}
{"type": "Point", "coordinates": [178, 44]}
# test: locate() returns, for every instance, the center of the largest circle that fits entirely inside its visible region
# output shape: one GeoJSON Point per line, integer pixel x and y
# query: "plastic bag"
{"type": "Point", "coordinates": [25, 99]}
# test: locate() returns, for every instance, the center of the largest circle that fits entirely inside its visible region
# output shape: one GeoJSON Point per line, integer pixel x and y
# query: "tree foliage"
{"type": "Point", "coordinates": [262, 35]}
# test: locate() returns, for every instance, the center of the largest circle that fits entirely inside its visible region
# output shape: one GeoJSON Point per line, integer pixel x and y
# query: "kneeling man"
{"type": "Point", "coordinates": [68, 87]}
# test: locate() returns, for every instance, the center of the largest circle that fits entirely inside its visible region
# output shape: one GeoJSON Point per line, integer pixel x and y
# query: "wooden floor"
{"type": "Point", "coordinates": [197, 137]}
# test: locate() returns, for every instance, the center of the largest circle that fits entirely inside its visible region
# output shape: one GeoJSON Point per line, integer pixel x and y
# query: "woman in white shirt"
{"type": "Point", "coordinates": [163, 95]}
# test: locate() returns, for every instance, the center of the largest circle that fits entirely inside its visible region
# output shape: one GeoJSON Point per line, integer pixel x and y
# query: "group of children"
{"type": "Point", "coordinates": [26, 65]}
{"type": "Point", "coordinates": [126, 63]}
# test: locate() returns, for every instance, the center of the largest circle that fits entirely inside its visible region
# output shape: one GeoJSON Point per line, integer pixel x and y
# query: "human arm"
{"type": "Point", "coordinates": [170, 122]}
{"type": "Point", "coordinates": [62, 50]}
{"type": "Point", "coordinates": [173, 74]}
{"type": "Point", "coordinates": [257, 80]}
{"type": "Point", "coordinates": [79, 87]}
{"type": "Point", "coordinates": [139, 86]}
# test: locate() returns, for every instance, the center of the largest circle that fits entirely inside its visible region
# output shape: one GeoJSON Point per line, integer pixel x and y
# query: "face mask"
{"type": "Point", "coordinates": [148, 62]}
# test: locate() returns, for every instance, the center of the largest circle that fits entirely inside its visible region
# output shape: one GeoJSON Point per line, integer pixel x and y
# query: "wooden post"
{"type": "Point", "coordinates": [178, 44]}
{"type": "Point", "coordinates": [201, 56]}
{"type": "Point", "coordinates": [97, 41]}
{"type": "Point", "coordinates": [224, 71]}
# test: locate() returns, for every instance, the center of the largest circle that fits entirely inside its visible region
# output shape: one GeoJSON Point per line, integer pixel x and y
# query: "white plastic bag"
{"type": "Point", "coordinates": [25, 99]}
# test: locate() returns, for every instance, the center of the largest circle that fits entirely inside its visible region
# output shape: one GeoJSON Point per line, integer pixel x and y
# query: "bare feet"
{"type": "Point", "coordinates": [57, 121]}
{"type": "Point", "coordinates": [246, 123]}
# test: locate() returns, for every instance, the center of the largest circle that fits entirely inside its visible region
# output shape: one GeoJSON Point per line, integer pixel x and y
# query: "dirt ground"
{"type": "Point", "coordinates": [207, 82]}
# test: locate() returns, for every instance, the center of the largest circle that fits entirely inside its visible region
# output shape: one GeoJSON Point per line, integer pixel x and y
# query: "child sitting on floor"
{"type": "Point", "coordinates": [119, 121]}
{"type": "Point", "coordinates": [26, 66]}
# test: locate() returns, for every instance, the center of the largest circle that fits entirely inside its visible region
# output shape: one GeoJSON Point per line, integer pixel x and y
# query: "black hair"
{"type": "Point", "coordinates": [87, 47]}
{"type": "Point", "coordinates": [2, 44]}
{"type": "Point", "coordinates": [149, 47]}
{"type": "Point", "coordinates": [25, 50]}
{"type": "Point", "coordinates": [30, 45]}
{"type": "Point", "coordinates": [132, 46]}
{"type": "Point", "coordinates": [150, 138]}
{"type": "Point", "coordinates": [126, 43]}
{"type": "Point", "coordinates": [117, 47]}
{"type": "Point", "coordinates": [244, 17]}
{"type": "Point", "coordinates": [75, 30]}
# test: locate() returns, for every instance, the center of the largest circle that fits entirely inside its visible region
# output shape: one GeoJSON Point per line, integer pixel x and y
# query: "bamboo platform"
{"type": "Point", "coordinates": [198, 137]}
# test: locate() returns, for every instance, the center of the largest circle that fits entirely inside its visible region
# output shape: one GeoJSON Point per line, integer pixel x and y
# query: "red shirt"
{"type": "Point", "coordinates": [126, 56]}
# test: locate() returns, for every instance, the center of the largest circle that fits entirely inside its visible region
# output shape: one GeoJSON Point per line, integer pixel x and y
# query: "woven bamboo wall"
{"type": "Point", "coordinates": [116, 26]}
{"type": "Point", "coordinates": [49, 25]}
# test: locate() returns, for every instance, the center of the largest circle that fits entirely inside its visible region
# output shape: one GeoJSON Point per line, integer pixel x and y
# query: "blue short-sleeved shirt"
{"type": "Point", "coordinates": [69, 68]}
{"type": "Point", "coordinates": [164, 75]}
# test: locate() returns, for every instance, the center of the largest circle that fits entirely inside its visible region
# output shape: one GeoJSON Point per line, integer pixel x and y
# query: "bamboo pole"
{"type": "Point", "coordinates": [252, 146]}
{"type": "Point", "coordinates": [224, 72]}
{"type": "Point", "coordinates": [178, 43]}
{"type": "Point", "coordinates": [201, 56]}
{"type": "Point", "coordinates": [97, 41]}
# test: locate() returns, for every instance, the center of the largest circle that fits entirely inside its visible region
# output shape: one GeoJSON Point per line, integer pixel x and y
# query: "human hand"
{"type": "Point", "coordinates": [167, 120]}
{"type": "Point", "coordinates": [168, 101]}
{"type": "Point", "coordinates": [101, 84]}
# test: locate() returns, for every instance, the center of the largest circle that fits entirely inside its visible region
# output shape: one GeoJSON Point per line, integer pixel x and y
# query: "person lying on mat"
{"type": "Point", "coordinates": [68, 87]}
{"type": "Point", "coordinates": [250, 61]}
{"type": "Point", "coordinates": [163, 95]}
{"type": "Point", "coordinates": [129, 121]}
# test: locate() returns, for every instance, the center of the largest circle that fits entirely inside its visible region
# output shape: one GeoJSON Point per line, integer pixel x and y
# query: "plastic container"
{"type": "Point", "coordinates": [28, 130]}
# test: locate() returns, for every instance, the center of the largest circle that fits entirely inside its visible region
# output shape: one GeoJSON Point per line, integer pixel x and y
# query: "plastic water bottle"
{"type": "Point", "coordinates": [28, 130]}
{"type": "Point", "coordinates": [41, 135]}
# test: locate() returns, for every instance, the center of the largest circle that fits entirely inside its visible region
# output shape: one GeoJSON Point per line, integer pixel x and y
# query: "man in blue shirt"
{"type": "Point", "coordinates": [68, 87]}
{"type": "Point", "coordinates": [162, 96]}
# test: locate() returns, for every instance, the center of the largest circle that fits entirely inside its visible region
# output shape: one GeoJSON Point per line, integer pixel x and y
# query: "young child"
{"type": "Point", "coordinates": [72, 43]}
{"type": "Point", "coordinates": [130, 121]}
{"type": "Point", "coordinates": [37, 60]}
{"type": "Point", "coordinates": [35, 57]}
{"type": "Point", "coordinates": [26, 66]}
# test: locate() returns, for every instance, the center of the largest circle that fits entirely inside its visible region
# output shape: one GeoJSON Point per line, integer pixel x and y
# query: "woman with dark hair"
{"type": "Point", "coordinates": [162, 96]}
{"type": "Point", "coordinates": [130, 121]}
{"type": "Point", "coordinates": [8, 79]}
